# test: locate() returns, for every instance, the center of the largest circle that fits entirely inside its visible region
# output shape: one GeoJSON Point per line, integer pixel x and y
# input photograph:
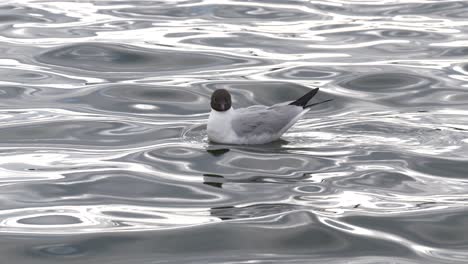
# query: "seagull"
{"type": "Point", "coordinates": [258, 124]}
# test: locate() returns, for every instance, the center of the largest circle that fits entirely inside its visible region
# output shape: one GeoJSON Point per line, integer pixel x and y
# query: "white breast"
{"type": "Point", "coordinates": [219, 127]}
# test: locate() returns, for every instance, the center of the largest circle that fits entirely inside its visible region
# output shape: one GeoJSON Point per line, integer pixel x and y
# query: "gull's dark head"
{"type": "Point", "coordinates": [221, 100]}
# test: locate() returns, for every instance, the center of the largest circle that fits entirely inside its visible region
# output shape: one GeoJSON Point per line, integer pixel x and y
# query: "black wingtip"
{"type": "Point", "coordinates": [305, 98]}
{"type": "Point", "coordinates": [314, 104]}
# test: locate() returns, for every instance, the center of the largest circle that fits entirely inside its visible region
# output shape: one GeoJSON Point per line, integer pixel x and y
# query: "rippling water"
{"type": "Point", "coordinates": [105, 158]}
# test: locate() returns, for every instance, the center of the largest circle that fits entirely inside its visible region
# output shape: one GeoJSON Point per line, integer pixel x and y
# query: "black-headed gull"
{"type": "Point", "coordinates": [256, 124]}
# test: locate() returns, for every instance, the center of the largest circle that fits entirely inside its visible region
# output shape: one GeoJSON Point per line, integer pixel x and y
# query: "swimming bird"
{"type": "Point", "coordinates": [258, 124]}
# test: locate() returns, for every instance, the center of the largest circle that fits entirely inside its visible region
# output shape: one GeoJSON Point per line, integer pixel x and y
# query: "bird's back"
{"type": "Point", "coordinates": [264, 123]}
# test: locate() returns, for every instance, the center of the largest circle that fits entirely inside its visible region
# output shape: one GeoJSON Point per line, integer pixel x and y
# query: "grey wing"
{"type": "Point", "coordinates": [257, 120]}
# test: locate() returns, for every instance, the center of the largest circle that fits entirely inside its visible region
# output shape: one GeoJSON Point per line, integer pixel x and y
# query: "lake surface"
{"type": "Point", "coordinates": [104, 156]}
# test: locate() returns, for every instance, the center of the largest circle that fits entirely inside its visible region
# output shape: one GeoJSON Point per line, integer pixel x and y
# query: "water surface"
{"type": "Point", "coordinates": [104, 156]}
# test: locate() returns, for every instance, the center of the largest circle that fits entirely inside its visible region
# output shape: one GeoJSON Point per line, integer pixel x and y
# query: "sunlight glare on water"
{"type": "Point", "coordinates": [104, 156]}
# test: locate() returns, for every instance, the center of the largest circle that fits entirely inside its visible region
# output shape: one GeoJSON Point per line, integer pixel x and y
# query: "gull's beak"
{"type": "Point", "coordinates": [220, 107]}
{"type": "Point", "coordinates": [223, 107]}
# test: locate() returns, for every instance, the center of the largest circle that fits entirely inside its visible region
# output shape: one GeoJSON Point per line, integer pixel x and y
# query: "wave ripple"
{"type": "Point", "coordinates": [104, 156]}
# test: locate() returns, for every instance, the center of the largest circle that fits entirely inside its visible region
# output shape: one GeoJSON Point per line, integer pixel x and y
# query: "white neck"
{"type": "Point", "coordinates": [222, 114]}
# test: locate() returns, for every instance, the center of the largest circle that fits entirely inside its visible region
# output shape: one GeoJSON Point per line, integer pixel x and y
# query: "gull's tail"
{"type": "Point", "coordinates": [314, 104]}
{"type": "Point", "coordinates": [302, 102]}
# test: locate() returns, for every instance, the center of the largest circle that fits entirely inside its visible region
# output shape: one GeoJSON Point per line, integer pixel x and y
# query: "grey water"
{"type": "Point", "coordinates": [104, 156]}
